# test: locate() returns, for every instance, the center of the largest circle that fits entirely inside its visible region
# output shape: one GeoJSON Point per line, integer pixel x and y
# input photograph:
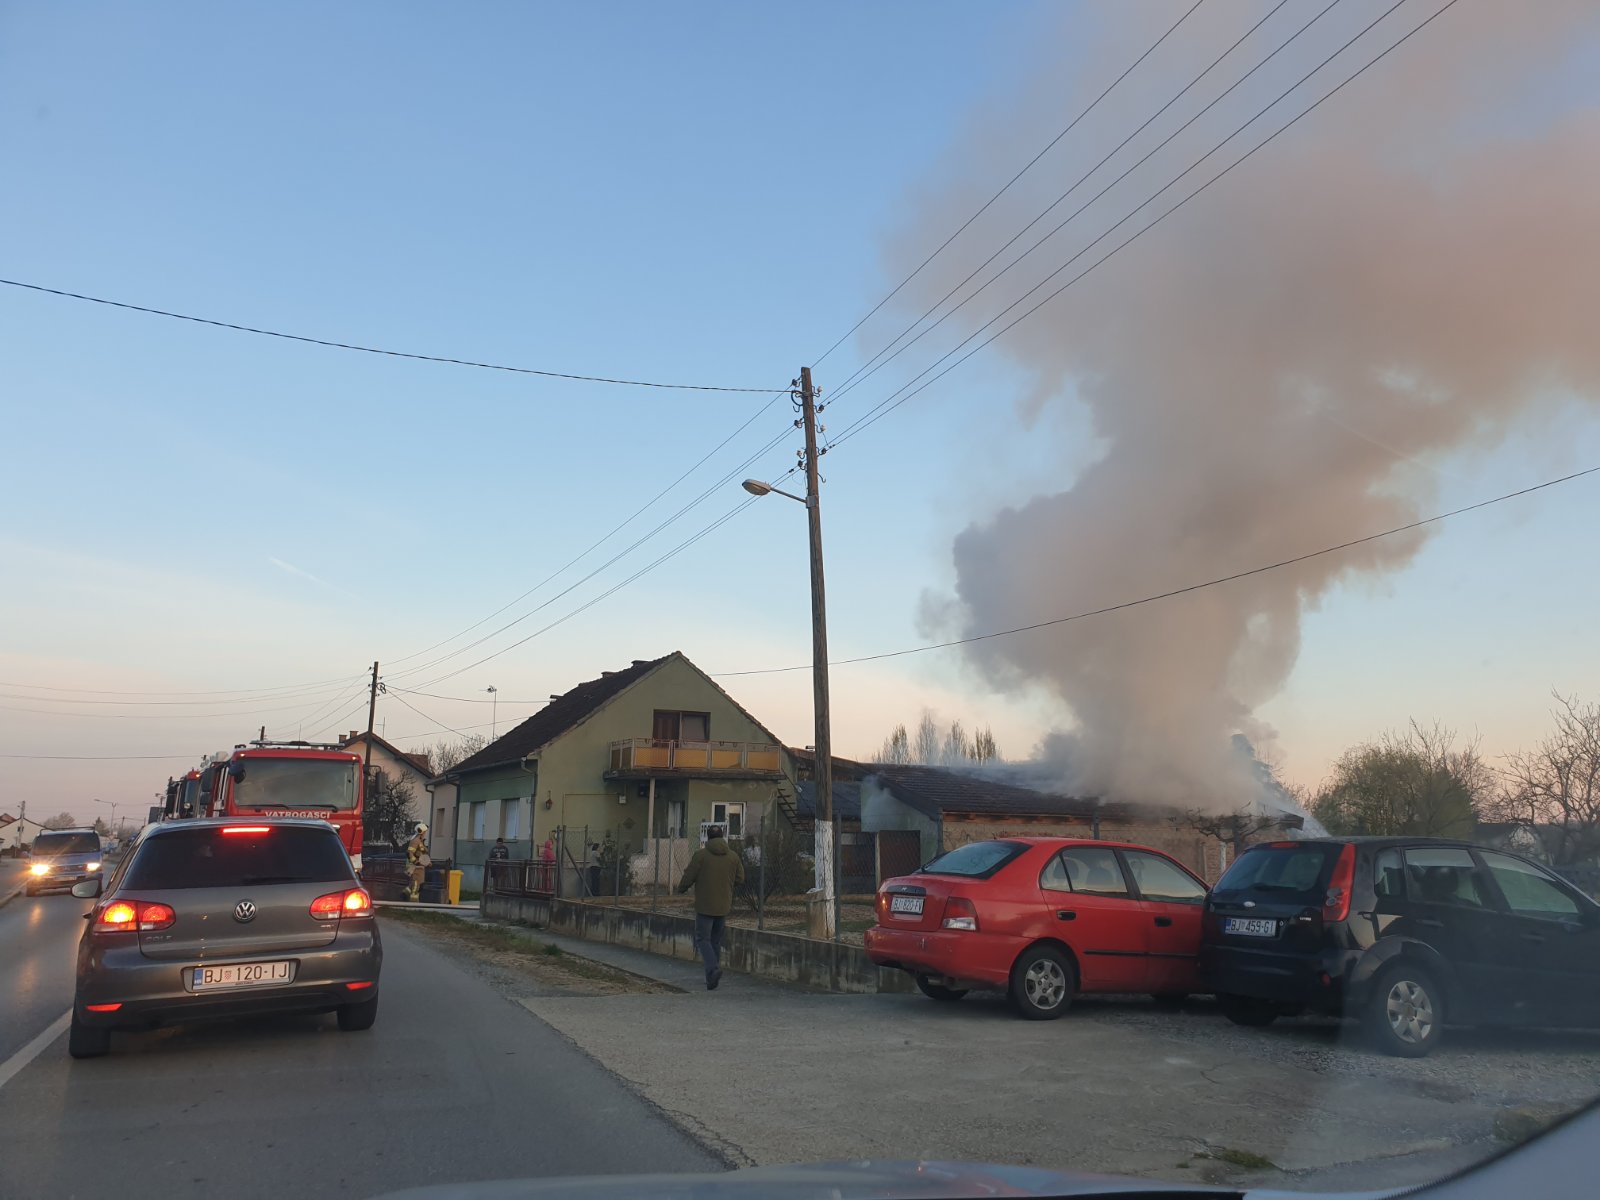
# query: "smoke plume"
{"type": "Point", "coordinates": [1412, 269]}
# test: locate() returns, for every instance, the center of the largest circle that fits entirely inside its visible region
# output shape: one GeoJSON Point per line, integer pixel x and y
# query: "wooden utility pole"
{"type": "Point", "coordinates": [372, 716]}
{"type": "Point", "coordinates": [826, 837]}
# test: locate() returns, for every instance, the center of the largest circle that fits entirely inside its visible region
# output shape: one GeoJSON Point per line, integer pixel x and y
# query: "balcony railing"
{"type": "Point", "coordinates": [648, 754]}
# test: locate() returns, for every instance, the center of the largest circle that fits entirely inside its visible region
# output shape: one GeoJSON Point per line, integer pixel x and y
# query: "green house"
{"type": "Point", "coordinates": [643, 756]}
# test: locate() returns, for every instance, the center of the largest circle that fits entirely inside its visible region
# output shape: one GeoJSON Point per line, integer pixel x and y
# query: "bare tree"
{"type": "Point", "coordinates": [1556, 785]}
{"type": "Point", "coordinates": [1416, 782]}
{"type": "Point", "coordinates": [984, 749]}
{"type": "Point", "coordinates": [448, 753]}
{"type": "Point", "coordinates": [896, 747]}
{"type": "Point", "coordinates": [61, 821]}
{"type": "Point", "coordinates": [390, 809]}
{"type": "Point", "coordinates": [926, 744]}
{"type": "Point", "coordinates": [956, 748]}
{"type": "Point", "coordinates": [1238, 828]}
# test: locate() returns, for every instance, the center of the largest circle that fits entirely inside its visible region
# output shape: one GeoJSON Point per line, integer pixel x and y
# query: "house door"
{"type": "Point", "coordinates": [675, 822]}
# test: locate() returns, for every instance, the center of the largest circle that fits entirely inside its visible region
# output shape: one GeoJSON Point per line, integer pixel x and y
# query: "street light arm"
{"type": "Point", "coordinates": [757, 488]}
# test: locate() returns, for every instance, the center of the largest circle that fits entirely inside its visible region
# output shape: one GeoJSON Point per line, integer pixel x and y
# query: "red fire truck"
{"type": "Point", "coordinates": [295, 779]}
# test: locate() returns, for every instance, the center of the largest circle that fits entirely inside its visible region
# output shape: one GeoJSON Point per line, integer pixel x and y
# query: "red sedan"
{"type": "Point", "coordinates": [1043, 919]}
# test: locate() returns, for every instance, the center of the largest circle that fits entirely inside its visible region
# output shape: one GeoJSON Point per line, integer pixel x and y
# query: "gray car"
{"type": "Point", "coordinates": [61, 858]}
{"type": "Point", "coordinates": [225, 918]}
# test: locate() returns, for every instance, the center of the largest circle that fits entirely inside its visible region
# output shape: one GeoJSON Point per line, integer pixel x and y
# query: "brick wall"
{"type": "Point", "coordinates": [1203, 855]}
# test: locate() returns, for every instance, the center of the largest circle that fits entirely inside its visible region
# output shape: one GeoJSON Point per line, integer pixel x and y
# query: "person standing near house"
{"type": "Point", "coordinates": [499, 852]}
{"type": "Point", "coordinates": [417, 860]}
{"type": "Point", "coordinates": [713, 872]}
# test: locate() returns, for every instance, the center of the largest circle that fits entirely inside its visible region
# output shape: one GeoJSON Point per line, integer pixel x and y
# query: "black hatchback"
{"type": "Point", "coordinates": [1403, 934]}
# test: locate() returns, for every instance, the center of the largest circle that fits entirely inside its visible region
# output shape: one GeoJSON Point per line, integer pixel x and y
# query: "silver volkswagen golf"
{"type": "Point", "coordinates": [225, 918]}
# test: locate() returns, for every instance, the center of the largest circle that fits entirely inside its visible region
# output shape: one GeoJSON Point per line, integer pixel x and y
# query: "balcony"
{"type": "Point", "coordinates": [647, 758]}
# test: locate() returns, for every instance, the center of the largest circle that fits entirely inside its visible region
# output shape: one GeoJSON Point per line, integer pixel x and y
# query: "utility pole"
{"type": "Point", "coordinates": [826, 837]}
{"type": "Point", "coordinates": [372, 715]}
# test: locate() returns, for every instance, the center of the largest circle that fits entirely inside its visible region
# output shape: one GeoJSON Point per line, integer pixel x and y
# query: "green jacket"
{"type": "Point", "coordinates": [713, 872]}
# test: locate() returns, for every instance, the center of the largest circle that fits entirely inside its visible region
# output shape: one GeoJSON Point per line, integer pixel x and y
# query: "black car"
{"type": "Point", "coordinates": [1404, 934]}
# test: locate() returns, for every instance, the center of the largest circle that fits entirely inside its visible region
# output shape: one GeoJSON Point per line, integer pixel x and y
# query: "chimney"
{"type": "Point", "coordinates": [607, 674]}
{"type": "Point", "coordinates": [354, 733]}
{"type": "Point", "coordinates": [639, 662]}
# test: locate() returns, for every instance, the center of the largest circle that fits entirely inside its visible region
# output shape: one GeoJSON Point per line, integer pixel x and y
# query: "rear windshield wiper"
{"type": "Point", "coordinates": [1278, 887]}
{"type": "Point", "coordinates": [274, 879]}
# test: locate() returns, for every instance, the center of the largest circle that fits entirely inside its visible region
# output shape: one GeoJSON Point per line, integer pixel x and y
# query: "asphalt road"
{"type": "Point", "coordinates": [454, 1083]}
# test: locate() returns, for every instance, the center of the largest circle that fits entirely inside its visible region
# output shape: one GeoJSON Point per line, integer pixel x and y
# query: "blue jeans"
{"type": "Point", "coordinates": [708, 940]}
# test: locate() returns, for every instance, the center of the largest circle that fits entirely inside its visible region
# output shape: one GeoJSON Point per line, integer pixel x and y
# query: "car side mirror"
{"type": "Point", "coordinates": [86, 889]}
{"type": "Point", "coordinates": [236, 770]}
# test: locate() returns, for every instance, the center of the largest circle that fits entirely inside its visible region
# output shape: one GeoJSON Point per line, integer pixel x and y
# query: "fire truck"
{"type": "Point", "coordinates": [183, 797]}
{"type": "Point", "coordinates": [292, 779]}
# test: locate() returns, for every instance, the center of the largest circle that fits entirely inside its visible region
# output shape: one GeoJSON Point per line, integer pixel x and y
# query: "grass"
{"type": "Point", "coordinates": [1248, 1159]}
{"type": "Point", "coordinates": [508, 941]}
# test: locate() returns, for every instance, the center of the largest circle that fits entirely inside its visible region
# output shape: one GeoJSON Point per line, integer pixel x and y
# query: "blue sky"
{"type": "Point", "coordinates": [685, 193]}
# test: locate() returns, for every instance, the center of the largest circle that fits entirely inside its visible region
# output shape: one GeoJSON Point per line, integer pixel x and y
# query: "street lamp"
{"type": "Point", "coordinates": [494, 710]}
{"type": "Point", "coordinates": [826, 834]}
{"type": "Point", "coordinates": [112, 805]}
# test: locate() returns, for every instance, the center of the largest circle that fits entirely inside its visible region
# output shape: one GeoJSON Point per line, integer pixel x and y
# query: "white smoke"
{"type": "Point", "coordinates": [1412, 269]}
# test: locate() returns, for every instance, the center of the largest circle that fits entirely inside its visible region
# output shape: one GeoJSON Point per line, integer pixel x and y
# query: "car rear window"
{"type": "Point", "coordinates": [209, 857]}
{"type": "Point", "coordinates": [1294, 870]}
{"type": "Point", "coordinates": [67, 843]}
{"type": "Point", "coordinates": [975, 860]}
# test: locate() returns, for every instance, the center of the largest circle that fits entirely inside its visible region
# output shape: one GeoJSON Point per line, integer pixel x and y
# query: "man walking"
{"type": "Point", "coordinates": [713, 872]}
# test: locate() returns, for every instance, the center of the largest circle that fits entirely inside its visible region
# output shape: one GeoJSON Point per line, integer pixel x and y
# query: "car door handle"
{"type": "Point", "coordinates": [1426, 923]}
{"type": "Point", "coordinates": [1066, 914]}
{"type": "Point", "coordinates": [1534, 937]}
{"type": "Point", "coordinates": [1163, 922]}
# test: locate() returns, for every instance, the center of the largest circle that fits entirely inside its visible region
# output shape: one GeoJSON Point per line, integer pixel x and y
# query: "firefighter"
{"type": "Point", "coordinates": [417, 860]}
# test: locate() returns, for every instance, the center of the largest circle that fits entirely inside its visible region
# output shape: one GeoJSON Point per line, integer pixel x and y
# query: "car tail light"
{"type": "Point", "coordinates": [959, 913]}
{"type": "Point", "coordinates": [127, 915]}
{"type": "Point", "coordinates": [1336, 904]}
{"type": "Point", "coordinates": [247, 829]}
{"type": "Point", "coordinates": [352, 903]}
{"type": "Point", "coordinates": [359, 985]}
{"type": "Point", "coordinates": [881, 904]}
{"type": "Point", "coordinates": [102, 1007]}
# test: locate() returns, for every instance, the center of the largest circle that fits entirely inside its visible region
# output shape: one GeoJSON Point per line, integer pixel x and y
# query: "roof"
{"type": "Point", "coordinates": [557, 717]}
{"type": "Point", "coordinates": [934, 792]}
{"type": "Point", "coordinates": [420, 761]}
{"type": "Point", "coordinates": [846, 800]}
{"type": "Point", "coordinates": [805, 759]}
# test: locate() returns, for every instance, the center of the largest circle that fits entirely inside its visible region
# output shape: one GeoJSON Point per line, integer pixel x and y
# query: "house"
{"type": "Point", "coordinates": [406, 770]}
{"type": "Point", "coordinates": [946, 809]}
{"type": "Point", "coordinates": [643, 756]}
{"type": "Point", "coordinates": [16, 832]}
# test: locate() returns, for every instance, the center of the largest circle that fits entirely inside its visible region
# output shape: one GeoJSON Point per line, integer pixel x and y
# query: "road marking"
{"type": "Point", "coordinates": [33, 1049]}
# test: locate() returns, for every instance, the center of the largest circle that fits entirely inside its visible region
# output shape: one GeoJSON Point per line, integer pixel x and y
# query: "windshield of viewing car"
{"type": "Point", "coordinates": [296, 784]}
{"type": "Point", "coordinates": [1094, 500]}
{"type": "Point", "coordinates": [52, 844]}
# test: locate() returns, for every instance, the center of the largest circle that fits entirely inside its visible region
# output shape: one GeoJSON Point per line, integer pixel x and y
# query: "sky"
{"type": "Point", "coordinates": [228, 529]}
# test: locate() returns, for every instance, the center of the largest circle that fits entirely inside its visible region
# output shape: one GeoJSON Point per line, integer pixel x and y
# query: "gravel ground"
{"type": "Point", "coordinates": [1491, 1067]}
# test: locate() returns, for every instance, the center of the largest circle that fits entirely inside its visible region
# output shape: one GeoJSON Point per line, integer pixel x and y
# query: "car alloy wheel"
{"type": "Point", "coordinates": [1042, 983]}
{"type": "Point", "coordinates": [1405, 1011]}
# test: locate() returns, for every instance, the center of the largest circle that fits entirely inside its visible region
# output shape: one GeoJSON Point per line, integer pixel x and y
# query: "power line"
{"type": "Point", "coordinates": [623, 553]}
{"type": "Point", "coordinates": [884, 407]}
{"type": "Point", "coordinates": [316, 341]}
{"type": "Point", "coordinates": [462, 699]}
{"type": "Point", "coordinates": [868, 369]}
{"type": "Point", "coordinates": [1193, 587]}
{"type": "Point", "coordinates": [1050, 145]}
{"type": "Point", "coordinates": [643, 508]}
{"type": "Point", "coordinates": [101, 757]}
{"type": "Point", "coordinates": [645, 570]}
{"type": "Point", "coordinates": [424, 715]}
{"type": "Point", "coordinates": [261, 693]}
{"type": "Point", "coordinates": [172, 703]}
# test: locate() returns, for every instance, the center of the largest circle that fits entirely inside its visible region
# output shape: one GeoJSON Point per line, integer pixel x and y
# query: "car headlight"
{"type": "Point", "coordinates": [40, 868]}
{"type": "Point", "coordinates": [94, 866]}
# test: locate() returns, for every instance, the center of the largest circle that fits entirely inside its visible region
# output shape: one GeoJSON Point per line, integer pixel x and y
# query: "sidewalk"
{"type": "Point", "coordinates": [674, 973]}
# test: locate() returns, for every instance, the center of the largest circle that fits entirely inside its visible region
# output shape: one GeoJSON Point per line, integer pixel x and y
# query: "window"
{"type": "Point", "coordinates": [730, 817]}
{"type": "Point", "coordinates": [208, 858]}
{"type": "Point", "coordinates": [1443, 876]}
{"type": "Point", "coordinates": [49, 844]}
{"type": "Point", "coordinates": [672, 726]}
{"type": "Point", "coordinates": [1389, 874]}
{"type": "Point", "coordinates": [1054, 876]}
{"type": "Point", "coordinates": [1529, 891]}
{"type": "Point", "coordinates": [438, 823]}
{"type": "Point", "coordinates": [1161, 880]}
{"type": "Point", "coordinates": [294, 783]}
{"type": "Point", "coordinates": [479, 817]}
{"type": "Point", "coordinates": [975, 860]}
{"type": "Point", "coordinates": [510, 819]}
{"type": "Point", "coordinates": [1094, 871]}
{"type": "Point", "coordinates": [1279, 867]}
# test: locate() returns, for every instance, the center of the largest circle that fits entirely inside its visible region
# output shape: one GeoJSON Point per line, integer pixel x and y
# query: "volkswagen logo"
{"type": "Point", "coordinates": [1247, 904]}
{"type": "Point", "coordinates": [244, 911]}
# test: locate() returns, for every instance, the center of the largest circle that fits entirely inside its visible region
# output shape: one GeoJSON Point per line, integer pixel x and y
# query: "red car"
{"type": "Point", "coordinates": [1043, 919]}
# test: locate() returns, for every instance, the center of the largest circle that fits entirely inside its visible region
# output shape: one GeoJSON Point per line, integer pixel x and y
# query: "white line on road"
{"type": "Point", "coordinates": [33, 1049]}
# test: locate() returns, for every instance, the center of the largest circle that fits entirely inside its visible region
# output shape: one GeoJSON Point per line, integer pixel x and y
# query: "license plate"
{"type": "Point", "coordinates": [910, 905]}
{"type": "Point", "coordinates": [1250, 927]}
{"type": "Point", "coordinates": [237, 975]}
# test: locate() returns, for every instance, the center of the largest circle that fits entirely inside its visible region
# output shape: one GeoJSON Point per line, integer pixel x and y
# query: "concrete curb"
{"type": "Point", "coordinates": [5, 900]}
